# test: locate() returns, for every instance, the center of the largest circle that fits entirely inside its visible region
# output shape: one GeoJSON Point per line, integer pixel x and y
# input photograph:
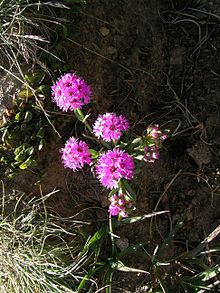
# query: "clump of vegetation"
{"type": "Point", "coordinates": [39, 252]}
{"type": "Point", "coordinates": [23, 127]}
{"type": "Point", "coordinates": [27, 27]}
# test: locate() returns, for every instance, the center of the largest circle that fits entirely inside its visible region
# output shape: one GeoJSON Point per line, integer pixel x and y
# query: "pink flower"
{"type": "Point", "coordinates": [110, 126]}
{"type": "Point", "coordinates": [153, 143]}
{"type": "Point", "coordinates": [71, 92]}
{"type": "Point", "coordinates": [120, 205]}
{"type": "Point", "coordinates": [114, 165]}
{"type": "Point", "coordinates": [151, 154]}
{"type": "Point", "coordinates": [114, 210]}
{"type": "Point", "coordinates": [75, 154]}
{"type": "Point", "coordinates": [155, 133]}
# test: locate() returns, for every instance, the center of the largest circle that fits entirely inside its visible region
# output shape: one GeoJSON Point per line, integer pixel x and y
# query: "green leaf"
{"type": "Point", "coordinates": [207, 275]}
{"type": "Point", "coordinates": [94, 153]}
{"type": "Point", "coordinates": [138, 157]}
{"type": "Point", "coordinates": [18, 116]}
{"type": "Point", "coordinates": [106, 144]}
{"type": "Point", "coordinates": [141, 218]}
{"type": "Point", "coordinates": [4, 160]}
{"type": "Point", "coordinates": [40, 133]}
{"type": "Point", "coordinates": [21, 156]}
{"type": "Point", "coordinates": [136, 141]}
{"type": "Point", "coordinates": [129, 191]}
{"type": "Point", "coordinates": [149, 141]}
{"type": "Point", "coordinates": [26, 93]}
{"type": "Point", "coordinates": [112, 192]}
{"type": "Point", "coordinates": [28, 116]}
{"type": "Point", "coordinates": [22, 152]}
{"type": "Point", "coordinates": [29, 150]}
{"type": "Point", "coordinates": [44, 89]}
{"type": "Point", "coordinates": [35, 78]}
{"type": "Point", "coordinates": [95, 241]}
{"type": "Point", "coordinates": [30, 161]}
{"type": "Point", "coordinates": [118, 265]}
{"type": "Point", "coordinates": [79, 114]}
{"type": "Point", "coordinates": [19, 149]}
{"type": "Point", "coordinates": [87, 276]}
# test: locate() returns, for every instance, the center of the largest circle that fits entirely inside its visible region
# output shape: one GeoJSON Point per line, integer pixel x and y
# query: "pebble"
{"type": "Point", "coordinates": [122, 243]}
{"type": "Point", "coordinates": [104, 31]}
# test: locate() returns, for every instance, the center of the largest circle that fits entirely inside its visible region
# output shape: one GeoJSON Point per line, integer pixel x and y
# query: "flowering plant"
{"type": "Point", "coordinates": [115, 161]}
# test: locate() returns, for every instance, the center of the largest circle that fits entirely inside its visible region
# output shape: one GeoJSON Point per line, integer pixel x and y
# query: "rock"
{"type": "Point", "coordinates": [122, 243]}
{"type": "Point", "coordinates": [104, 31]}
{"type": "Point", "coordinates": [200, 153]}
{"type": "Point", "coordinates": [112, 52]}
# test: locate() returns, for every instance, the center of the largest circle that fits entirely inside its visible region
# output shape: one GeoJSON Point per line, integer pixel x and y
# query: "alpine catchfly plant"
{"type": "Point", "coordinates": [114, 160]}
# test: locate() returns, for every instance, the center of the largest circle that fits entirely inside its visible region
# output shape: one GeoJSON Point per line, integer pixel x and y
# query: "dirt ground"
{"type": "Point", "coordinates": [155, 62]}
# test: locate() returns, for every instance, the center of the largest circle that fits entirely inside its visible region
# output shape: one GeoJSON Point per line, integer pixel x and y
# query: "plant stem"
{"type": "Point", "coordinates": [112, 236]}
{"type": "Point", "coordinates": [80, 116]}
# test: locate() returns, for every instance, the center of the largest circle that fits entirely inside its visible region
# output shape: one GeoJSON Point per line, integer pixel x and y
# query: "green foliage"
{"type": "Point", "coordinates": [105, 262]}
{"type": "Point", "coordinates": [38, 251]}
{"type": "Point", "coordinates": [188, 272]}
{"type": "Point", "coordinates": [23, 127]}
{"type": "Point", "coordinates": [191, 271]}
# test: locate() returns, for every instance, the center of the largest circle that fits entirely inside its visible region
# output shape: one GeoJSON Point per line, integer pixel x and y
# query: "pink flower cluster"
{"type": "Point", "coordinates": [114, 165]}
{"type": "Point", "coordinates": [154, 132]}
{"type": "Point", "coordinates": [75, 154]}
{"type": "Point", "coordinates": [71, 92]}
{"type": "Point", "coordinates": [151, 154]}
{"type": "Point", "coordinates": [110, 126]}
{"type": "Point", "coordinates": [120, 205]}
{"type": "Point", "coordinates": [154, 139]}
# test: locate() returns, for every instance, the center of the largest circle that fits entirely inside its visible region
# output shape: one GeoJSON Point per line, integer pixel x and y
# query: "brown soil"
{"type": "Point", "coordinates": [141, 64]}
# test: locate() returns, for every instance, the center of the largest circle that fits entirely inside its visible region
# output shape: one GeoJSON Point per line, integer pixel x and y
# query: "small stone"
{"type": "Point", "coordinates": [104, 31]}
{"type": "Point", "coordinates": [200, 153]}
{"type": "Point", "coordinates": [112, 52]}
{"type": "Point", "coordinates": [122, 243]}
